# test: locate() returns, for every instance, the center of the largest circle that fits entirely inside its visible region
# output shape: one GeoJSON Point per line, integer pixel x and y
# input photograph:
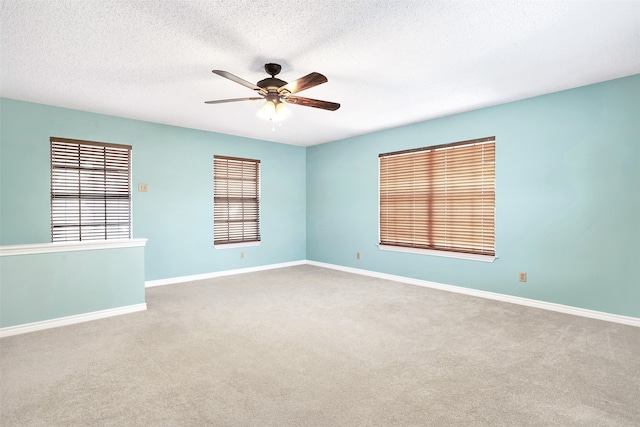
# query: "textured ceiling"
{"type": "Point", "coordinates": [388, 62]}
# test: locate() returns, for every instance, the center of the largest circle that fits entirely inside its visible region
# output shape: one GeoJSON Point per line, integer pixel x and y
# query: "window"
{"type": "Point", "coordinates": [90, 190]}
{"type": "Point", "coordinates": [440, 198]}
{"type": "Point", "coordinates": [236, 200]}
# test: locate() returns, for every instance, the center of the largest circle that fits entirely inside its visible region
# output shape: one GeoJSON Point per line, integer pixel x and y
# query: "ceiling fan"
{"type": "Point", "coordinates": [275, 91]}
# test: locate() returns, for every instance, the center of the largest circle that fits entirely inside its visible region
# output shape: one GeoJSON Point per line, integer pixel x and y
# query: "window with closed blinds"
{"type": "Point", "coordinates": [236, 200]}
{"type": "Point", "coordinates": [90, 190]}
{"type": "Point", "coordinates": [440, 198]}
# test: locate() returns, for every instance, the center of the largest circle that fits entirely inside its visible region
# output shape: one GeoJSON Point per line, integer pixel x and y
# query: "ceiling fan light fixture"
{"type": "Point", "coordinates": [282, 111]}
{"type": "Point", "coordinates": [267, 111]}
{"type": "Point", "coordinates": [274, 111]}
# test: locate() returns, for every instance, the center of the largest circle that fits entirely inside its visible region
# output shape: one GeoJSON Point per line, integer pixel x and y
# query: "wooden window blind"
{"type": "Point", "coordinates": [236, 200]}
{"type": "Point", "coordinates": [90, 190]}
{"type": "Point", "coordinates": [440, 198]}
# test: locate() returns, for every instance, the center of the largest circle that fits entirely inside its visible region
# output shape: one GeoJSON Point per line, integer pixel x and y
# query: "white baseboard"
{"type": "Point", "coordinates": [576, 311]}
{"type": "Point", "coordinates": [191, 278]}
{"type": "Point", "coordinates": [70, 320]}
{"type": "Point", "coordinates": [79, 318]}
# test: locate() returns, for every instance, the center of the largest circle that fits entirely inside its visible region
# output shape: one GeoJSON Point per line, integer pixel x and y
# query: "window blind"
{"type": "Point", "coordinates": [440, 197]}
{"type": "Point", "coordinates": [90, 190]}
{"type": "Point", "coordinates": [236, 200]}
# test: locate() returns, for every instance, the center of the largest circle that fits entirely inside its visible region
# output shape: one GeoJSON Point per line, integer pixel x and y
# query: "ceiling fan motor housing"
{"type": "Point", "coordinates": [271, 82]}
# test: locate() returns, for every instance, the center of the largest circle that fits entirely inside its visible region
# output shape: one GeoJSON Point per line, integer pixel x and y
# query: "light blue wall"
{"type": "Point", "coordinates": [568, 194]}
{"type": "Point", "coordinates": [176, 214]}
{"type": "Point", "coordinates": [567, 204]}
{"type": "Point", "coordinates": [47, 286]}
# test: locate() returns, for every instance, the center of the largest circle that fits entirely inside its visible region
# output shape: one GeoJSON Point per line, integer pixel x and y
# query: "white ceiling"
{"type": "Point", "coordinates": [389, 62]}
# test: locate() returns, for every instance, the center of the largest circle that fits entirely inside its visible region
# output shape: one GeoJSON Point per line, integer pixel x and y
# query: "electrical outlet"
{"type": "Point", "coordinates": [523, 276]}
{"type": "Point", "coordinates": [142, 187]}
{"type": "Point", "coordinates": [241, 254]}
{"type": "Point", "coordinates": [357, 255]}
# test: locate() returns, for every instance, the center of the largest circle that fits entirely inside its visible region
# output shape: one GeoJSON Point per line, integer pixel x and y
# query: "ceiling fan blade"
{"type": "Point", "coordinates": [308, 102]}
{"type": "Point", "coordinates": [236, 79]}
{"type": "Point", "coordinates": [306, 82]}
{"type": "Point", "coordinates": [222, 101]}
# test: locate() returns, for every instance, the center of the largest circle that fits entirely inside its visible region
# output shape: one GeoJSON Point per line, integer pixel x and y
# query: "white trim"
{"type": "Point", "coordinates": [446, 254]}
{"type": "Point", "coordinates": [576, 311]}
{"type": "Point", "coordinates": [70, 320]}
{"type": "Point", "coordinates": [182, 279]}
{"type": "Point", "coordinates": [86, 245]}
{"type": "Point", "coordinates": [236, 245]}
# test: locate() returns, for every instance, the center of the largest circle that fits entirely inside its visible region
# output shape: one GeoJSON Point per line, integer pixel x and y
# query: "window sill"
{"type": "Point", "coordinates": [458, 255]}
{"type": "Point", "coordinates": [236, 245]}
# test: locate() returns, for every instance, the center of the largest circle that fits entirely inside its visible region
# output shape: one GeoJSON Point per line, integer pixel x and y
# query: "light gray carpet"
{"type": "Point", "coordinates": [307, 346]}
